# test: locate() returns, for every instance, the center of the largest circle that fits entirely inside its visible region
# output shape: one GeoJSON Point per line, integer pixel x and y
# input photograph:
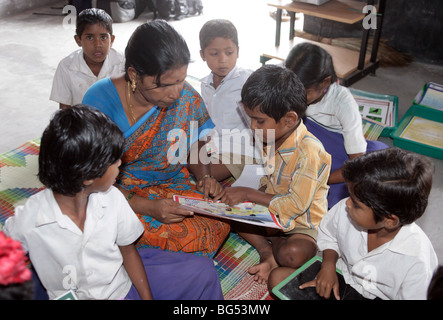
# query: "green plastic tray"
{"type": "Point", "coordinates": [425, 149]}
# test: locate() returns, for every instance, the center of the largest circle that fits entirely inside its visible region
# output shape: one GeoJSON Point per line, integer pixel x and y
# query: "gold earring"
{"type": "Point", "coordinates": [133, 86]}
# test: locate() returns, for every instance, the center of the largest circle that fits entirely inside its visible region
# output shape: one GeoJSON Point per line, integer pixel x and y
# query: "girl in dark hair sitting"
{"type": "Point", "coordinates": [80, 231]}
{"type": "Point", "coordinates": [332, 115]}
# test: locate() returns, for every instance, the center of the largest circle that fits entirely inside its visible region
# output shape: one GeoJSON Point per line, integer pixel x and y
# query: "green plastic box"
{"type": "Point", "coordinates": [388, 130]}
{"type": "Point", "coordinates": [431, 96]}
{"type": "Point", "coordinates": [422, 148]}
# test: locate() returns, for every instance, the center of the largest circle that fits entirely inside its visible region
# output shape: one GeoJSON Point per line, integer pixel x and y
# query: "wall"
{"type": "Point", "coordinates": [11, 7]}
{"type": "Point", "coordinates": [412, 27]}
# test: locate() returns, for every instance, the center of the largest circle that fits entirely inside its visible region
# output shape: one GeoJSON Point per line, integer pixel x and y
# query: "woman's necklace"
{"type": "Point", "coordinates": [128, 101]}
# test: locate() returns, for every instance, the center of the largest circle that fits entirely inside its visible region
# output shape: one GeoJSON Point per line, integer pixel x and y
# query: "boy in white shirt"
{"type": "Point", "coordinates": [94, 61]}
{"type": "Point", "coordinates": [80, 232]}
{"type": "Point", "coordinates": [371, 236]}
{"type": "Point", "coordinates": [221, 92]}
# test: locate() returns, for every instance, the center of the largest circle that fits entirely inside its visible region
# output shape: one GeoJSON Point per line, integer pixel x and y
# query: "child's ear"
{"type": "Point", "coordinates": [327, 82]}
{"type": "Point", "coordinates": [78, 40]}
{"type": "Point", "coordinates": [112, 39]}
{"type": "Point", "coordinates": [291, 118]}
{"type": "Point", "coordinates": [392, 222]}
{"type": "Point", "coordinates": [202, 55]}
{"type": "Point", "coordinates": [88, 182]}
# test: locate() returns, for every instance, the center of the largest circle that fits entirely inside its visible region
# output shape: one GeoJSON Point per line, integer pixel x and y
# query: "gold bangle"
{"type": "Point", "coordinates": [130, 195]}
{"type": "Point", "coordinates": [206, 176]}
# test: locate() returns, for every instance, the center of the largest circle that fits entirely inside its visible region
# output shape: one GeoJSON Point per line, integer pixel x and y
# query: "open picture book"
{"type": "Point", "coordinates": [246, 212]}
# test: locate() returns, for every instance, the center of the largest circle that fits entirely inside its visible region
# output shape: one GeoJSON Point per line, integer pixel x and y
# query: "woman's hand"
{"type": "Point", "coordinates": [209, 187]}
{"type": "Point", "coordinates": [168, 211]}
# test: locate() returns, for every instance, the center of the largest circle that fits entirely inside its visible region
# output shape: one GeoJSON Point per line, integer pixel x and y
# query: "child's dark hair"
{"type": "Point", "coordinates": [435, 289]}
{"type": "Point", "coordinates": [80, 143]}
{"type": "Point", "coordinates": [311, 63]}
{"type": "Point", "coordinates": [275, 90]}
{"type": "Point", "coordinates": [154, 48]}
{"type": "Point", "coordinates": [392, 181]}
{"type": "Point", "coordinates": [217, 28]}
{"type": "Point", "coordinates": [92, 16]}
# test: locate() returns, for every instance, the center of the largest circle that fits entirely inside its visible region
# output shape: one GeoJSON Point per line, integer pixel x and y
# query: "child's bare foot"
{"type": "Point", "coordinates": [262, 270]}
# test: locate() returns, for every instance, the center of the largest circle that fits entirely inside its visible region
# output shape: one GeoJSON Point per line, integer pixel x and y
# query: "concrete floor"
{"type": "Point", "coordinates": [31, 46]}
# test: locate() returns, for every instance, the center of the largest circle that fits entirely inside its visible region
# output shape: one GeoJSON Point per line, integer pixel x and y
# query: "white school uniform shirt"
{"type": "Point", "coordinates": [338, 112]}
{"type": "Point", "coordinates": [73, 77]}
{"type": "Point", "coordinates": [400, 269]}
{"type": "Point", "coordinates": [223, 107]}
{"type": "Point", "coordinates": [64, 257]}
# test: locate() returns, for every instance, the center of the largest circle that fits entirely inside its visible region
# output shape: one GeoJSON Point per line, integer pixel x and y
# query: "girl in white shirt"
{"type": "Point", "coordinates": [333, 115]}
{"type": "Point", "coordinates": [80, 232]}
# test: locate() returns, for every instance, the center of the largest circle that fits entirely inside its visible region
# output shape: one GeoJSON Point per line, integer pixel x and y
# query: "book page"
{"type": "Point", "coordinates": [424, 131]}
{"type": "Point", "coordinates": [246, 212]}
{"type": "Point", "coordinates": [376, 109]}
{"type": "Point", "coordinates": [371, 129]}
{"type": "Point", "coordinates": [433, 96]}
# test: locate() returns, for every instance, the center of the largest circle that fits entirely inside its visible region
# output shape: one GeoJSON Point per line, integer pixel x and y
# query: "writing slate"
{"type": "Point", "coordinates": [288, 289]}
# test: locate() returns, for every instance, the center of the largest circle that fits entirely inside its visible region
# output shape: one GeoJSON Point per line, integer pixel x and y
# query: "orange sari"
{"type": "Point", "coordinates": [147, 171]}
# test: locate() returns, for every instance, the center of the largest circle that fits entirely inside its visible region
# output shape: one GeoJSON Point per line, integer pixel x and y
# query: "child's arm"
{"type": "Point", "coordinates": [63, 106]}
{"type": "Point", "coordinates": [201, 169]}
{"type": "Point", "coordinates": [326, 280]}
{"type": "Point", "coordinates": [134, 266]}
{"type": "Point", "coordinates": [327, 242]}
{"type": "Point", "coordinates": [163, 210]}
{"type": "Point", "coordinates": [336, 176]}
{"type": "Point", "coordinates": [235, 195]}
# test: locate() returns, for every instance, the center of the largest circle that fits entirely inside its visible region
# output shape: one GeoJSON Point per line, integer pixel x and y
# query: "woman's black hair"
{"type": "Point", "coordinates": [90, 17]}
{"type": "Point", "coordinates": [311, 63]}
{"type": "Point", "coordinates": [154, 48]}
{"type": "Point", "coordinates": [391, 182]}
{"type": "Point", "coordinates": [274, 90]}
{"type": "Point", "coordinates": [80, 143]}
{"type": "Point", "coordinates": [217, 28]}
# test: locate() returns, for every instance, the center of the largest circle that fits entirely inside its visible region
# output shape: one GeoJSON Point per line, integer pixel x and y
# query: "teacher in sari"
{"type": "Point", "coordinates": [162, 118]}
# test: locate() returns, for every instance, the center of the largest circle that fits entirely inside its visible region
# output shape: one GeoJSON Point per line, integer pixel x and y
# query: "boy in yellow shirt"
{"type": "Point", "coordinates": [295, 188]}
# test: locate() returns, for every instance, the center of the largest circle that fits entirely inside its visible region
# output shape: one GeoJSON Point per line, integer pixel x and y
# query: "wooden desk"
{"type": "Point", "coordinates": [344, 11]}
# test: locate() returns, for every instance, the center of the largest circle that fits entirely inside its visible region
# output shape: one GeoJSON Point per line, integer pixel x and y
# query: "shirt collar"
{"type": "Point", "coordinates": [79, 64]}
{"type": "Point", "coordinates": [292, 142]}
{"type": "Point", "coordinates": [404, 242]}
{"type": "Point", "coordinates": [209, 80]}
{"type": "Point", "coordinates": [49, 210]}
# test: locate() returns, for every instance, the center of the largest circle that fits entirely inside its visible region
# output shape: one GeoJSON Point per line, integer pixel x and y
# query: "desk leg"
{"type": "Point", "coordinates": [278, 26]}
{"type": "Point", "coordinates": [363, 48]}
{"type": "Point", "coordinates": [291, 25]}
{"type": "Point", "coordinates": [380, 15]}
